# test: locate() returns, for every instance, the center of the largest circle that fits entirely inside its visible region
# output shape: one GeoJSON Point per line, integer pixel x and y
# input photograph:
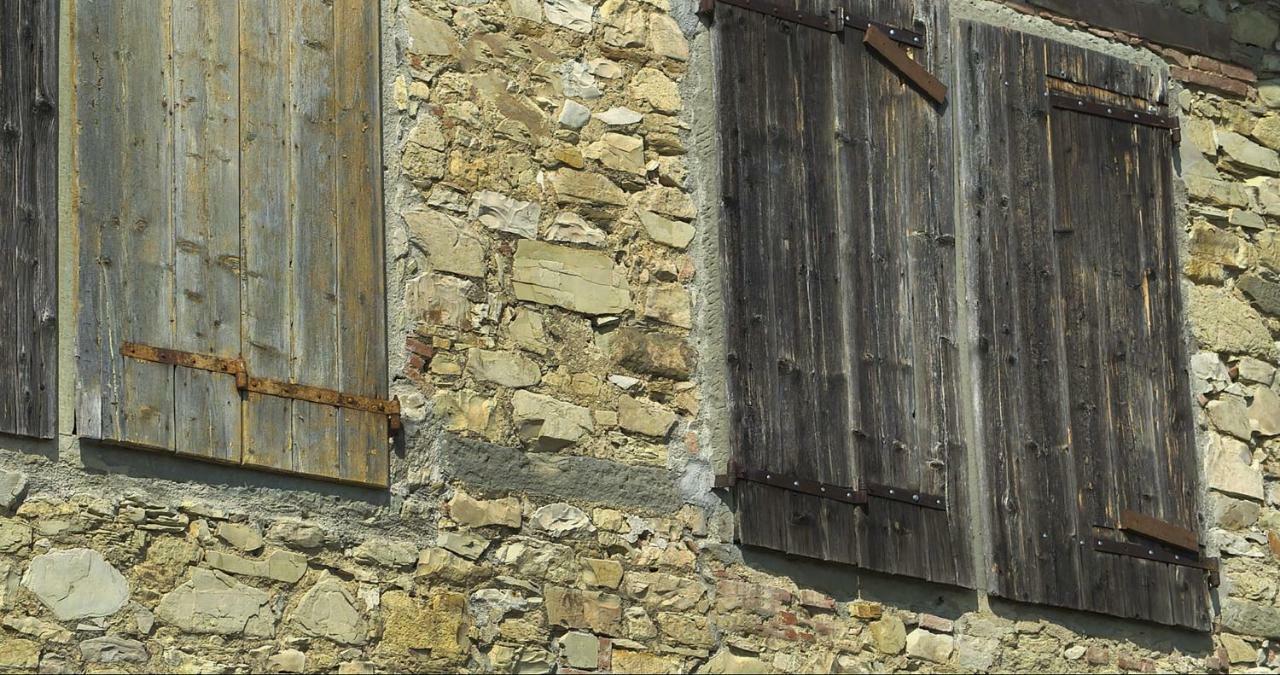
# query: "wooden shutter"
{"type": "Point", "coordinates": [839, 252]}
{"type": "Point", "coordinates": [227, 177]}
{"type": "Point", "coordinates": [1085, 404]}
{"type": "Point", "coordinates": [28, 217]}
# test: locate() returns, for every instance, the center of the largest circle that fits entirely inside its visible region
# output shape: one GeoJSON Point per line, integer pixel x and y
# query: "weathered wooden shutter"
{"type": "Point", "coordinates": [28, 217]}
{"type": "Point", "coordinates": [228, 189]}
{"type": "Point", "coordinates": [1065, 187]}
{"type": "Point", "coordinates": [840, 267]}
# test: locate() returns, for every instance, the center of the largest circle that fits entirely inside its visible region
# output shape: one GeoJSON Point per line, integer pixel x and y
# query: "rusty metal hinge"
{"type": "Point", "coordinates": [840, 493]}
{"type": "Point", "coordinates": [1158, 553]}
{"type": "Point", "coordinates": [881, 43]}
{"type": "Point", "coordinates": [1159, 530]}
{"type": "Point", "coordinates": [1148, 118]}
{"type": "Point", "coordinates": [236, 367]}
{"type": "Point", "coordinates": [834, 21]}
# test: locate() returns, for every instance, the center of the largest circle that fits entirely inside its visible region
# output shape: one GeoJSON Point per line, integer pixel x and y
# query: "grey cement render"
{"type": "Point", "coordinates": [426, 457]}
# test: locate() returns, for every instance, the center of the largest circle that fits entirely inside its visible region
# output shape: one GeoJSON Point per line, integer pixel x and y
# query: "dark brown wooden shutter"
{"type": "Point", "coordinates": [839, 251]}
{"type": "Point", "coordinates": [228, 172]}
{"type": "Point", "coordinates": [1065, 188]}
{"type": "Point", "coordinates": [28, 217]}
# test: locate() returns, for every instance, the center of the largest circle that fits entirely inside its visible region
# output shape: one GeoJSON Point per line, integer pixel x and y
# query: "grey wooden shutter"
{"type": "Point", "coordinates": [28, 217]}
{"type": "Point", "coordinates": [227, 168]}
{"type": "Point", "coordinates": [839, 250]}
{"type": "Point", "coordinates": [1085, 405]}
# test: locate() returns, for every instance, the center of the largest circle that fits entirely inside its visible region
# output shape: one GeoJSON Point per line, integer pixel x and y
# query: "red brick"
{"type": "Point", "coordinates": [812, 598]}
{"type": "Point", "coordinates": [935, 623]}
{"type": "Point", "coordinates": [1136, 665]}
{"type": "Point", "coordinates": [417, 346]}
{"type": "Point", "coordinates": [1214, 81]}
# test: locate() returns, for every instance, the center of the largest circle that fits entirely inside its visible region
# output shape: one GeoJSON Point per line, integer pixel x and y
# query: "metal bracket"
{"type": "Point", "coordinates": [244, 382]}
{"type": "Point", "coordinates": [840, 493]}
{"type": "Point", "coordinates": [882, 44]}
{"type": "Point", "coordinates": [912, 497]}
{"type": "Point", "coordinates": [1159, 554]}
{"type": "Point", "coordinates": [1063, 101]}
{"type": "Point", "coordinates": [834, 21]}
{"type": "Point", "coordinates": [1159, 530]}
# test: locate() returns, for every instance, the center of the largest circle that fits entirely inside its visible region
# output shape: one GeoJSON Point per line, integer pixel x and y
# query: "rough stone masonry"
{"type": "Point", "coordinates": [551, 238]}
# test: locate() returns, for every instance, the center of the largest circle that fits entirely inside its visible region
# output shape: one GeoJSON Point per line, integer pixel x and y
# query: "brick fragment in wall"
{"type": "Point", "coordinates": [1214, 81]}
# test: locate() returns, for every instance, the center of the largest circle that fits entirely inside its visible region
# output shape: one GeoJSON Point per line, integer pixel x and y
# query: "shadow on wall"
{"type": "Point", "coordinates": [98, 458]}
{"type": "Point", "coordinates": [845, 583]}
{"type": "Point", "coordinates": [47, 449]}
{"type": "Point", "coordinates": [1147, 635]}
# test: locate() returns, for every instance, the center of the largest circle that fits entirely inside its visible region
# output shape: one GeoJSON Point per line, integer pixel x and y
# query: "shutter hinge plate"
{"type": "Point", "coordinates": [1148, 118]}
{"type": "Point", "coordinates": [840, 493]}
{"type": "Point", "coordinates": [236, 367]}
{"type": "Point", "coordinates": [834, 21]}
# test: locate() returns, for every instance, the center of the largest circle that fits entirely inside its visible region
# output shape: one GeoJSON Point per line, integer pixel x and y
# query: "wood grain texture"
{"type": "Point", "coordinates": [206, 217]}
{"type": "Point", "coordinates": [1070, 219]}
{"type": "Point", "coordinates": [28, 217]}
{"type": "Point", "coordinates": [840, 354]}
{"type": "Point", "coordinates": [230, 204]}
{"type": "Point", "coordinates": [266, 204]}
{"type": "Point", "coordinates": [361, 348]}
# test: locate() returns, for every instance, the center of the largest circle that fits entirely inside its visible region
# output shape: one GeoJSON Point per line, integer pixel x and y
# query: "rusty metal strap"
{"type": "Point", "coordinates": [840, 493]}
{"type": "Point", "coordinates": [244, 382]}
{"type": "Point", "coordinates": [1156, 553]}
{"type": "Point", "coordinates": [834, 21]}
{"type": "Point", "coordinates": [881, 43]}
{"type": "Point", "coordinates": [1147, 118]}
{"type": "Point", "coordinates": [912, 497]}
{"type": "Point", "coordinates": [1159, 530]}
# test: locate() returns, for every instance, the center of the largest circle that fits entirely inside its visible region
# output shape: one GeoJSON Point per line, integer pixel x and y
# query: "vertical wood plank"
{"type": "Point", "coordinates": [125, 168]}
{"type": "Point", "coordinates": [266, 179]}
{"type": "Point", "coordinates": [11, 80]}
{"type": "Point", "coordinates": [315, 256]}
{"type": "Point", "coordinates": [363, 448]}
{"type": "Point", "coordinates": [31, 218]}
{"type": "Point", "coordinates": [206, 217]}
{"type": "Point", "coordinates": [97, 161]}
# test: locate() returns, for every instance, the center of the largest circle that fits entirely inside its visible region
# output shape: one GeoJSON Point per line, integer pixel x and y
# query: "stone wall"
{"type": "Point", "coordinates": [552, 262]}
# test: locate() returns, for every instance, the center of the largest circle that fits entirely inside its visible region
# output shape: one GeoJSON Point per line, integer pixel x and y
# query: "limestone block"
{"type": "Point", "coordinates": [574, 229]}
{"type": "Point", "coordinates": [448, 245]}
{"type": "Point", "coordinates": [587, 610]}
{"type": "Point", "coordinates": [669, 303]}
{"type": "Point", "coordinates": [470, 512]}
{"type": "Point", "coordinates": [429, 36]}
{"type": "Point", "coordinates": [575, 279]}
{"type": "Point", "coordinates": [497, 211]}
{"type": "Point", "coordinates": [509, 369]}
{"type": "Point", "coordinates": [1229, 469]}
{"type": "Point", "coordinates": [652, 353]}
{"type": "Point", "coordinates": [1243, 153]}
{"type": "Point", "coordinates": [582, 187]}
{"type": "Point", "coordinates": [572, 14]}
{"type": "Point", "coordinates": [214, 603]}
{"type": "Point", "coordinates": [1229, 415]}
{"type": "Point", "coordinates": [243, 536]}
{"type": "Point", "coordinates": [1222, 323]}
{"type": "Point", "coordinates": [930, 646]}
{"type": "Point", "coordinates": [889, 635]}
{"type": "Point", "coordinates": [328, 610]}
{"type": "Point", "coordinates": [673, 233]}
{"type": "Point", "coordinates": [549, 424]}
{"type": "Point", "coordinates": [645, 417]}
{"type": "Point", "coordinates": [76, 583]}
{"type": "Point", "coordinates": [618, 152]}
{"type": "Point", "coordinates": [666, 38]}
{"type": "Point", "coordinates": [650, 87]}
{"type": "Point", "coordinates": [560, 519]}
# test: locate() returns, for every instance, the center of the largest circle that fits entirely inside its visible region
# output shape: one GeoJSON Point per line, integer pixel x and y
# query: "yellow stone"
{"type": "Point", "coordinates": [436, 624]}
